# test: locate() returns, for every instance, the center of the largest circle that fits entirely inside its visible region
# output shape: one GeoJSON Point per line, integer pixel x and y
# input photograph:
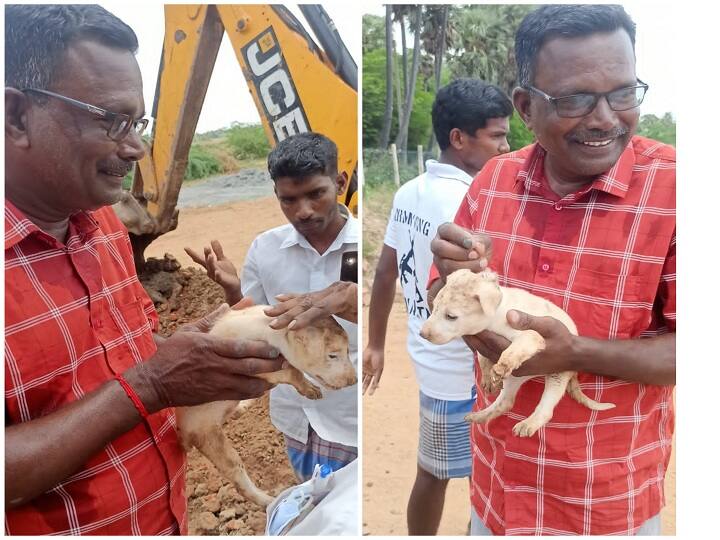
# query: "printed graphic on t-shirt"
{"type": "Point", "coordinates": [415, 302]}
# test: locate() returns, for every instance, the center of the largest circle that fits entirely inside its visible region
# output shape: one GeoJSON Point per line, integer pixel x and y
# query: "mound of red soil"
{"type": "Point", "coordinates": [214, 507]}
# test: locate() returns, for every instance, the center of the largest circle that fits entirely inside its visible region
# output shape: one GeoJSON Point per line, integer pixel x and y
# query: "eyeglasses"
{"type": "Point", "coordinates": [121, 124]}
{"type": "Point", "coordinates": [577, 105]}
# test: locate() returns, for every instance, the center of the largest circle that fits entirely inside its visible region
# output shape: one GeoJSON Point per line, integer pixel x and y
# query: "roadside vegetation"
{"type": "Point", "coordinates": [224, 151]}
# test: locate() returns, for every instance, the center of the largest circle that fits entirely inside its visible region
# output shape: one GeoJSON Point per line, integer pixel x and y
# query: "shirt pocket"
{"type": "Point", "coordinates": [608, 305]}
{"type": "Point", "coordinates": [128, 337]}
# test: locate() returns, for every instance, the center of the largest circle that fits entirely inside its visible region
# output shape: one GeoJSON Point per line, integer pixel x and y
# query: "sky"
{"type": "Point", "coordinates": [228, 98]}
{"type": "Point", "coordinates": [654, 47]}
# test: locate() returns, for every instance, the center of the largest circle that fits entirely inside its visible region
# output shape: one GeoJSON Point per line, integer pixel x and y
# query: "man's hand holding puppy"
{"type": "Point", "coordinates": [649, 361]}
{"type": "Point", "coordinates": [298, 311]}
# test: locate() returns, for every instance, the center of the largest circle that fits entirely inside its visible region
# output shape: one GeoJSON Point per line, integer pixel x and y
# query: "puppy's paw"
{"type": "Point", "coordinates": [486, 384]}
{"type": "Point", "coordinates": [498, 373]}
{"type": "Point", "coordinates": [526, 428]}
{"type": "Point", "coordinates": [479, 417]}
{"type": "Point", "coordinates": [311, 391]}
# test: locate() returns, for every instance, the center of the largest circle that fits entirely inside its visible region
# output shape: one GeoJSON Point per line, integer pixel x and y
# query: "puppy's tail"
{"type": "Point", "coordinates": [573, 388]}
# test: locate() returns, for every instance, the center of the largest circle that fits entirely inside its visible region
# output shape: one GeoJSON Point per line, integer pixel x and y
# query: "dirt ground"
{"type": "Point", "coordinates": [214, 506]}
{"type": "Point", "coordinates": [390, 418]}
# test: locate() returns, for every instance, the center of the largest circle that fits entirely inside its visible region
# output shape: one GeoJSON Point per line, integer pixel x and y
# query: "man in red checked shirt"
{"type": "Point", "coordinates": [90, 441]}
{"type": "Point", "coordinates": [585, 217]}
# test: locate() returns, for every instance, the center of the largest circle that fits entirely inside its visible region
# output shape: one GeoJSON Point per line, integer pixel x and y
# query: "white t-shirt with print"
{"type": "Point", "coordinates": [420, 206]}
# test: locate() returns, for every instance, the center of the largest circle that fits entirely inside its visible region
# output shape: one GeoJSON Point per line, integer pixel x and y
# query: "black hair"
{"type": "Point", "coordinates": [303, 155]}
{"type": "Point", "coordinates": [566, 21]}
{"type": "Point", "coordinates": [467, 104]}
{"type": "Point", "coordinates": [37, 36]}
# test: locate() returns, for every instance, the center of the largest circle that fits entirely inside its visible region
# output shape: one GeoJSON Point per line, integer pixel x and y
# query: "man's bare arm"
{"type": "Point", "coordinates": [643, 360]}
{"type": "Point", "coordinates": [189, 368]}
{"type": "Point", "coordinates": [382, 296]}
{"type": "Point", "coordinates": [381, 301]}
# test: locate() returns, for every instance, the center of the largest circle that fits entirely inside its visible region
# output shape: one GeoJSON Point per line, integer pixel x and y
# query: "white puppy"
{"type": "Point", "coordinates": [320, 350]}
{"type": "Point", "coordinates": [470, 303]}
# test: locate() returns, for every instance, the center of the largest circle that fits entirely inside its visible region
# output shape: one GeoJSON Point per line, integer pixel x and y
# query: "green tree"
{"type": "Point", "coordinates": [248, 141]}
{"type": "Point", "coordinates": [519, 135]}
{"type": "Point", "coordinates": [373, 34]}
{"type": "Point", "coordinates": [659, 129]}
{"type": "Point", "coordinates": [384, 137]}
{"type": "Point", "coordinates": [486, 36]}
{"type": "Point", "coordinates": [373, 97]}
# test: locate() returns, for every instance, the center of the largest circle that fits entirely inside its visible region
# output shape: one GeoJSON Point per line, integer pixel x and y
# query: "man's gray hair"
{"type": "Point", "coordinates": [565, 21]}
{"type": "Point", "coordinates": [37, 36]}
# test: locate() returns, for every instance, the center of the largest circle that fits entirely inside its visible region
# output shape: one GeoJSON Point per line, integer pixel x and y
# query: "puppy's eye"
{"type": "Point", "coordinates": [450, 317]}
{"type": "Point", "coordinates": [333, 356]}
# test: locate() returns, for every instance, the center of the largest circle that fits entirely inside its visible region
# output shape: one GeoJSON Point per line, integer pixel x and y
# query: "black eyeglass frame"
{"type": "Point", "coordinates": [121, 123]}
{"type": "Point", "coordinates": [554, 100]}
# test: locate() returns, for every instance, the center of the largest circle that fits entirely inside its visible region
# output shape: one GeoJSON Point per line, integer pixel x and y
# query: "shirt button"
{"type": "Point", "coordinates": [558, 206]}
{"type": "Point", "coordinates": [545, 267]}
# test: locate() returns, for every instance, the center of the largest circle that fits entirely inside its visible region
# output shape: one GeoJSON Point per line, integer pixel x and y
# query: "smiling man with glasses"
{"type": "Point", "coordinates": [119, 125]}
{"type": "Point", "coordinates": [584, 217]}
{"type": "Point", "coordinates": [90, 440]}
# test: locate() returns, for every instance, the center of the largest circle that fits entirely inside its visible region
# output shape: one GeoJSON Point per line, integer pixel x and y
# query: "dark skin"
{"type": "Point", "coordinates": [595, 63]}
{"type": "Point", "coordinates": [310, 205]}
{"type": "Point", "coordinates": [60, 161]}
{"type": "Point", "coordinates": [470, 151]}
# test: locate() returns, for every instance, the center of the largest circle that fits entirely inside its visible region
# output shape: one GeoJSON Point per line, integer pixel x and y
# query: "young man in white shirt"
{"type": "Point", "coordinates": [471, 123]}
{"type": "Point", "coordinates": [297, 268]}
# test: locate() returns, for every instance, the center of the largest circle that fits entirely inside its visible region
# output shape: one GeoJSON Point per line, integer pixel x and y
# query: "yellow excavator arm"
{"type": "Point", "coordinates": [296, 87]}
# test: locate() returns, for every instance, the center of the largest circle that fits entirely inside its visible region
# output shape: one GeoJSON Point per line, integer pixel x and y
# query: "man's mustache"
{"type": "Point", "coordinates": [587, 135]}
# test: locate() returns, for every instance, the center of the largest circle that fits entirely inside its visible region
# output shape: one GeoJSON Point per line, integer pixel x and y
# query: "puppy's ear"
{"type": "Point", "coordinates": [489, 296]}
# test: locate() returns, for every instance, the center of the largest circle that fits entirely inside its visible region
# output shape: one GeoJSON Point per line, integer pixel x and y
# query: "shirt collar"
{"type": "Point", "coordinates": [349, 234]}
{"type": "Point", "coordinates": [18, 226]}
{"type": "Point", "coordinates": [445, 170]}
{"type": "Point", "coordinates": [616, 181]}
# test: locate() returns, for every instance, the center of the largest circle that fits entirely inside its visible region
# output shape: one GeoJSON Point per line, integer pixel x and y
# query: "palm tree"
{"type": "Point", "coordinates": [389, 57]}
{"type": "Point", "coordinates": [404, 124]}
{"type": "Point", "coordinates": [438, 35]}
{"type": "Point", "coordinates": [486, 43]}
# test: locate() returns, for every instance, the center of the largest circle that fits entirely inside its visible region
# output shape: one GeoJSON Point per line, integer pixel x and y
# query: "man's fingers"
{"type": "Point", "coordinates": [524, 321]}
{"type": "Point", "coordinates": [279, 309]}
{"type": "Point", "coordinates": [442, 249]}
{"type": "Point", "coordinates": [493, 341]}
{"type": "Point", "coordinates": [252, 387]}
{"type": "Point", "coordinates": [240, 348]}
{"type": "Point", "coordinates": [366, 382]}
{"type": "Point", "coordinates": [298, 318]}
{"type": "Point", "coordinates": [306, 318]}
{"type": "Point", "coordinates": [195, 256]}
{"type": "Point", "coordinates": [455, 234]}
{"type": "Point", "coordinates": [375, 382]}
{"type": "Point", "coordinates": [242, 304]}
{"type": "Point", "coordinates": [217, 248]}
{"type": "Point", "coordinates": [447, 267]}
{"type": "Point", "coordinates": [211, 262]}
{"type": "Point", "coordinates": [254, 366]}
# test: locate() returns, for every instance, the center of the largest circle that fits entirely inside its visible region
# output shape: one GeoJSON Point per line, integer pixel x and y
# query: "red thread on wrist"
{"type": "Point", "coordinates": [132, 395]}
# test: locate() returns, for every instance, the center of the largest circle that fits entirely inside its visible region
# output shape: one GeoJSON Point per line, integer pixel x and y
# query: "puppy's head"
{"type": "Point", "coordinates": [322, 351]}
{"type": "Point", "coordinates": [464, 306]}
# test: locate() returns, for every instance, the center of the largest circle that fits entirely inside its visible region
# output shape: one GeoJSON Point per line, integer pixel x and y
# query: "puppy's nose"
{"type": "Point", "coordinates": [425, 332]}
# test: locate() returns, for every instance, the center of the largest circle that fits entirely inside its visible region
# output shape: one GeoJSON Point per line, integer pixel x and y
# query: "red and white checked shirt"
{"type": "Point", "coordinates": [75, 315]}
{"type": "Point", "coordinates": [606, 255]}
